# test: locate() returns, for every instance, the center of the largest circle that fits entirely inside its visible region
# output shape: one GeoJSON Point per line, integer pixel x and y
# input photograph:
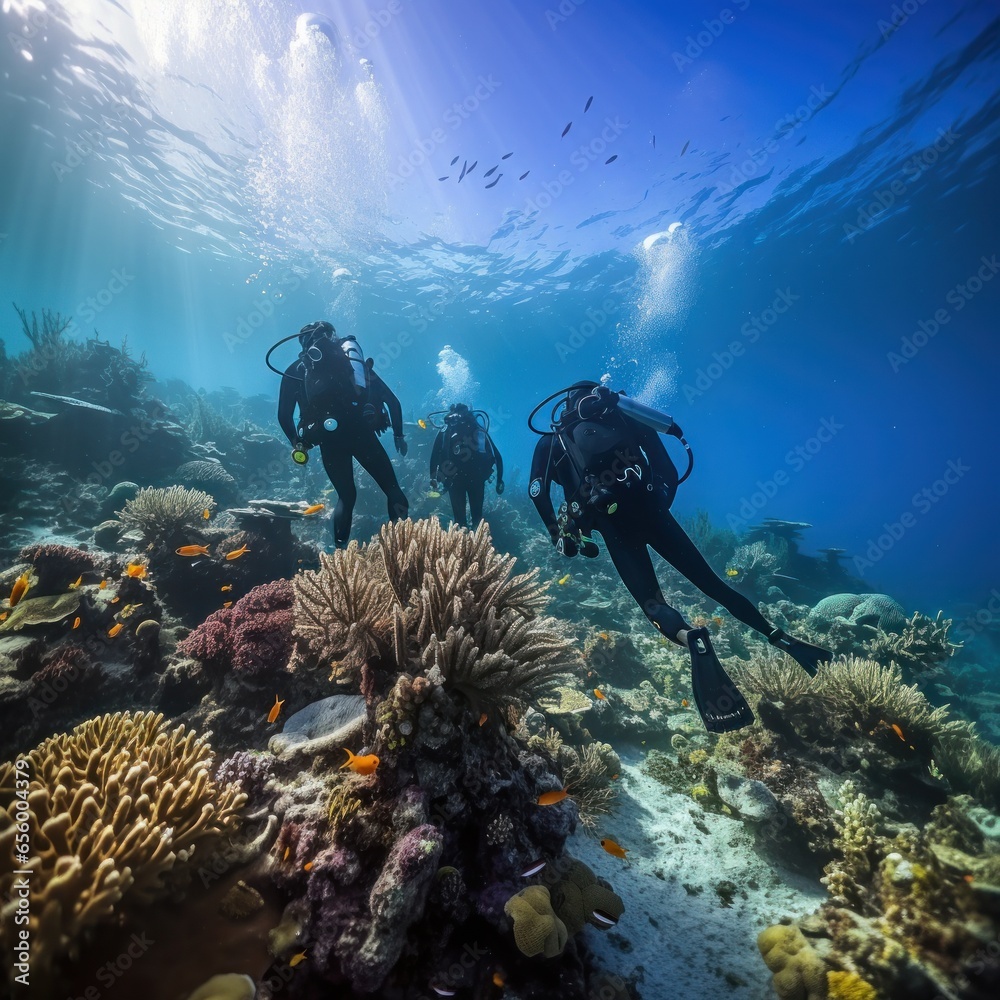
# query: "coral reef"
{"type": "Point", "coordinates": [921, 647]}
{"type": "Point", "coordinates": [537, 929]}
{"type": "Point", "coordinates": [119, 808]}
{"type": "Point", "coordinates": [799, 972]}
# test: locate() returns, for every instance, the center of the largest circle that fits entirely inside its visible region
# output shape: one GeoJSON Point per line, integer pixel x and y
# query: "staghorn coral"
{"type": "Point", "coordinates": [922, 645]}
{"type": "Point", "coordinates": [116, 809]}
{"type": "Point", "coordinates": [161, 514]}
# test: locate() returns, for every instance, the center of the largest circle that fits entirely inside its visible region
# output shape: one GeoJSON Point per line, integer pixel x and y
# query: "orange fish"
{"type": "Point", "coordinates": [3, 617]}
{"type": "Point", "coordinates": [616, 850]}
{"type": "Point", "coordinates": [227, 587]}
{"type": "Point", "coordinates": [717, 620]}
{"type": "Point", "coordinates": [76, 583]}
{"type": "Point", "coordinates": [193, 550]}
{"type": "Point", "coordinates": [206, 513]}
{"type": "Point", "coordinates": [898, 731]}
{"type": "Point", "coordinates": [296, 959]}
{"type": "Point", "coordinates": [114, 630]}
{"type": "Point", "coordinates": [551, 798]}
{"type": "Point", "coordinates": [236, 553]}
{"type": "Point", "coordinates": [307, 866]}
{"type": "Point", "coordinates": [969, 878]}
{"type": "Point", "coordinates": [136, 570]}
{"type": "Point", "coordinates": [275, 709]}
{"type": "Point", "coordinates": [227, 604]}
{"type": "Point", "coordinates": [483, 718]}
{"type": "Point", "coordinates": [360, 765]}
{"type": "Point", "coordinates": [313, 509]}
{"type": "Point", "coordinates": [604, 635]}
{"type": "Point", "coordinates": [614, 777]}
{"type": "Point", "coordinates": [498, 978]}
{"type": "Point", "coordinates": [20, 588]}
{"type": "Point", "coordinates": [684, 703]}
{"type": "Point", "coordinates": [599, 694]}
{"type": "Point", "coordinates": [76, 623]}
{"type": "Point", "coordinates": [102, 585]}
{"type": "Point", "coordinates": [288, 851]}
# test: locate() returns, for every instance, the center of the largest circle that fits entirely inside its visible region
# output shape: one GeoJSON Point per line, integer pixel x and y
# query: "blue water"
{"type": "Point", "coordinates": [203, 178]}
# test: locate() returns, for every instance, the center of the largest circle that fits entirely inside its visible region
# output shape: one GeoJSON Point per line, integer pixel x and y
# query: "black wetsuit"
{"type": "Point", "coordinates": [463, 470]}
{"type": "Point", "coordinates": [354, 438]}
{"type": "Point", "coordinates": [642, 519]}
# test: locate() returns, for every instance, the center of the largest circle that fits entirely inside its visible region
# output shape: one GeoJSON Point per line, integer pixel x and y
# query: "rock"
{"type": "Point", "coordinates": [229, 986]}
{"type": "Point", "coordinates": [321, 718]}
{"type": "Point", "coordinates": [106, 534]}
{"type": "Point", "coordinates": [752, 799]}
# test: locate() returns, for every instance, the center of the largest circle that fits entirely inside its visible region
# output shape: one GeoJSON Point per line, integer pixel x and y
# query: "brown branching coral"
{"type": "Point", "coordinates": [159, 514]}
{"type": "Point", "coordinates": [444, 599]}
{"type": "Point", "coordinates": [116, 809]}
{"type": "Point", "coordinates": [922, 646]}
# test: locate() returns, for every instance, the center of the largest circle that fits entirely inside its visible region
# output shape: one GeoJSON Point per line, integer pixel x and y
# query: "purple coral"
{"type": "Point", "coordinates": [250, 771]}
{"type": "Point", "coordinates": [68, 667]}
{"type": "Point", "coordinates": [253, 637]}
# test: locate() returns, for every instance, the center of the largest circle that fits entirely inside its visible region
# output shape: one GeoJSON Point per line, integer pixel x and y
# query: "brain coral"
{"type": "Point", "coordinates": [537, 930]}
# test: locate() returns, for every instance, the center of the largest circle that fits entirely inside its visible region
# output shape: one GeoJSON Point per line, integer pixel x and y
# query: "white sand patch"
{"type": "Point", "coordinates": [683, 942]}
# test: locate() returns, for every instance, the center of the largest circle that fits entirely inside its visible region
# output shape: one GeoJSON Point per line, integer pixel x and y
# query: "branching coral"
{"type": "Point", "coordinates": [445, 599]}
{"type": "Point", "coordinates": [856, 836]}
{"type": "Point", "coordinates": [922, 646]}
{"type": "Point", "coordinates": [118, 808]}
{"type": "Point", "coordinates": [160, 514]}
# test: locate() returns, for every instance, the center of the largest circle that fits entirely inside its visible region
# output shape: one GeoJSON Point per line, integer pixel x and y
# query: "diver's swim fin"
{"type": "Point", "coordinates": [719, 701]}
{"type": "Point", "coordinates": [805, 654]}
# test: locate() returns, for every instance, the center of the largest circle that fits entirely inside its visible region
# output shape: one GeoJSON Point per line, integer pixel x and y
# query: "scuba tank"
{"type": "Point", "coordinates": [356, 358]}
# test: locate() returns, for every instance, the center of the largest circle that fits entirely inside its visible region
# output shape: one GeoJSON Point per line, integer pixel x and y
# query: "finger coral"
{"type": "Point", "coordinates": [116, 809]}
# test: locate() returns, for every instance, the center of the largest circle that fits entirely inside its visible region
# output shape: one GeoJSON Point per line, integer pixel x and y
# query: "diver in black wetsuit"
{"type": "Point", "coordinates": [343, 406]}
{"type": "Point", "coordinates": [603, 449]}
{"type": "Point", "coordinates": [462, 461]}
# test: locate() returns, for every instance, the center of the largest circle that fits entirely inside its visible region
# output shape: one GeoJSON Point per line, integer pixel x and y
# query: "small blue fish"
{"type": "Point", "coordinates": [611, 159]}
{"type": "Point", "coordinates": [685, 149]}
{"type": "Point", "coordinates": [590, 100]}
{"type": "Point", "coordinates": [525, 174]}
{"type": "Point", "coordinates": [507, 156]}
{"type": "Point", "coordinates": [494, 183]}
{"type": "Point", "coordinates": [443, 178]}
{"type": "Point", "coordinates": [490, 171]}
{"type": "Point", "coordinates": [465, 167]}
{"type": "Point", "coordinates": [566, 130]}
{"type": "Point", "coordinates": [453, 162]}
{"type": "Point", "coordinates": [473, 167]}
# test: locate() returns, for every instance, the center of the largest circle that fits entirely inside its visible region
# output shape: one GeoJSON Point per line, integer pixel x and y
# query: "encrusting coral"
{"type": "Point", "coordinates": [121, 808]}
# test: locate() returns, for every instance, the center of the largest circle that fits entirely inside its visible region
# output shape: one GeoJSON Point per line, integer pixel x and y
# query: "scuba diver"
{"type": "Point", "coordinates": [343, 405]}
{"type": "Point", "coordinates": [603, 449]}
{"type": "Point", "coordinates": [462, 460]}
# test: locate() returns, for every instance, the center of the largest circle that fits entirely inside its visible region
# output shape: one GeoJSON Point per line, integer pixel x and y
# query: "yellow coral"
{"type": "Point", "coordinates": [697, 757]}
{"type": "Point", "coordinates": [699, 792]}
{"type": "Point", "coordinates": [798, 969]}
{"type": "Point", "coordinates": [849, 986]}
{"type": "Point", "coordinates": [537, 930]}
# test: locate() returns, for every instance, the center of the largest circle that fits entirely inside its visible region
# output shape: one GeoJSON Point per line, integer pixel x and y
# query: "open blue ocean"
{"type": "Point", "coordinates": [777, 224]}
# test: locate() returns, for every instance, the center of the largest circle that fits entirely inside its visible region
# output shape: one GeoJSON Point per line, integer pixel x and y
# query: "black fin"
{"type": "Point", "coordinates": [723, 708]}
{"type": "Point", "coordinates": [805, 654]}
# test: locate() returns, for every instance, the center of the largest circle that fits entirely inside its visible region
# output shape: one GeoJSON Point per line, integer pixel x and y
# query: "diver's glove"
{"type": "Point", "coordinates": [401, 446]}
{"type": "Point", "coordinates": [500, 487]}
